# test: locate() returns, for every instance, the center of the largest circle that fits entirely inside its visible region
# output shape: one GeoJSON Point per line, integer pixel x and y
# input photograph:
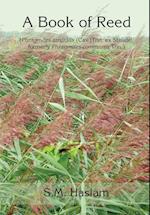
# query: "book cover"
{"type": "Point", "coordinates": [74, 106]}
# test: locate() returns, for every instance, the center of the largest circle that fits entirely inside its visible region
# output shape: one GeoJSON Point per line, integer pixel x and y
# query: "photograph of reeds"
{"type": "Point", "coordinates": [74, 123]}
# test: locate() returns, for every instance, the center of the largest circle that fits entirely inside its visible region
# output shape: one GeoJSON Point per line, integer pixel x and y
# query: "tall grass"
{"type": "Point", "coordinates": [71, 123]}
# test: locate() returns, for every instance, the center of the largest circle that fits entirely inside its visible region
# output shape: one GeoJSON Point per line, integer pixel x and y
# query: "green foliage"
{"type": "Point", "coordinates": [24, 168]}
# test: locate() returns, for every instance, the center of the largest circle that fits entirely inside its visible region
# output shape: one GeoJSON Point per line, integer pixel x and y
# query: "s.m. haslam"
{"type": "Point", "coordinates": [102, 22]}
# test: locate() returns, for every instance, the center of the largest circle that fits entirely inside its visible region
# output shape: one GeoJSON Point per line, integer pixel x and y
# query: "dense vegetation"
{"type": "Point", "coordinates": [74, 119]}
